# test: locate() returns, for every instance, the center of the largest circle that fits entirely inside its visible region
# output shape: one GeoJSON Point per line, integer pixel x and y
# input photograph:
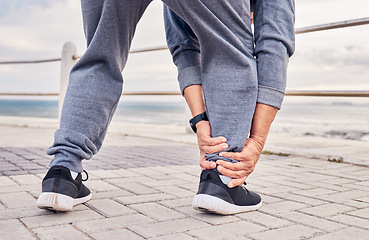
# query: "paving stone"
{"type": "Point", "coordinates": [137, 188]}
{"type": "Point", "coordinates": [100, 186]}
{"type": "Point", "coordinates": [357, 186]}
{"type": "Point", "coordinates": [177, 191]}
{"type": "Point", "coordinates": [330, 186]}
{"type": "Point", "coordinates": [17, 199]}
{"type": "Point", "coordinates": [147, 171]}
{"type": "Point", "coordinates": [315, 192]}
{"type": "Point", "coordinates": [156, 211]}
{"type": "Point", "coordinates": [162, 177]}
{"type": "Point", "coordinates": [295, 184]}
{"type": "Point", "coordinates": [107, 224]}
{"type": "Point", "coordinates": [21, 213]}
{"type": "Point", "coordinates": [59, 232]}
{"type": "Point", "coordinates": [327, 210]}
{"type": "Point", "coordinates": [60, 218]}
{"type": "Point", "coordinates": [168, 227]}
{"type": "Point", "coordinates": [178, 236]}
{"type": "Point", "coordinates": [308, 220]}
{"type": "Point", "coordinates": [277, 190]}
{"type": "Point", "coordinates": [26, 179]}
{"type": "Point", "coordinates": [116, 234]}
{"type": "Point", "coordinates": [344, 234]}
{"type": "Point", "coordinates": [351, 194]}
{"type": "Point", "coordinates": [178, 202]}
{"type": "Point", "coordinates": [302, 199]}
{"type": "Point", "coordinates": [287, 233]}
{"type": "Point", "coordinates": [159, 183]}
{"type": "Point", "coordinates": [213, 219]}
{"type": "Point", "coordinates": [14, 172]}
{"type": "Point", "coordinates": [124, 173]}
{"type": "Point", "coordinates": [6, 181]}
{"type": "Point", "coordinates": [364, 183]}
{"type": "Point", "coordinates": [363, 199]}
{"type": "Point", "coordinates": [109, 207]}
{"type": "Point", "coordinates": [144, 198]}
{"type": "Point", "coordinates": [281, 207]}
{"type": "Point", "coordinates": [363, 213]}
{"type": "Point", "coordinates": [339, 181]}
{"type": "Point", "coordinates": [351, 221]}
{"type": "Point", "coordinates": [187, 177]}
{"type": "Point", "coordinates": [111, 194]}
{"type": "Point", "coordinates": [237, 230]}
{"type": "Point", "coordinates": [264, 219]}
{"type": "Point", "coordinates": [269, 199]}
{"type": "Point", "coordinates": [311, 177]}
{"type": "Point", "coordinates": [119, 181]}
{"type": "Point", "coordinates": [13, 229]}
{"type": "Point", "coordinates": [194, 168]}
{"type": "Point", "coordinates": [164, 170]}
{"type": "Point", "coordinates": [102, 174]}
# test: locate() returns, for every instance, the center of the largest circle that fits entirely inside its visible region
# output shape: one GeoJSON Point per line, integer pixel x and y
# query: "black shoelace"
{"type": "Point", "coordinates": [84, 180]}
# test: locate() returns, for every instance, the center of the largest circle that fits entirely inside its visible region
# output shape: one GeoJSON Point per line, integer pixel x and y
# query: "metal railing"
{"type": "Point", "coordinates": [69, 57]}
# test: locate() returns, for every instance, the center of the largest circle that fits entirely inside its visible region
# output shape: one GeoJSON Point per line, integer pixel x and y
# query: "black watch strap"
{"type": "Point", "coordinates": [196, 119]}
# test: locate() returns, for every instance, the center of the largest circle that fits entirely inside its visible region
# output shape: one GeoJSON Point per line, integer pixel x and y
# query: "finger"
{"type": "Point", "coordinates": [207, 164]}
{"type": "Point", "coordinates": [236, 182]}
{"type": "Point", "coordinates": [236, 156]}
{"type": "Point", "coordinates": [209, 141]}
{"type": "Point", "coordinates": [213, 149]}
{"type": "Point", "coordinates": [232, 166]}
{"type": "Point", "coordinates": [231, 173]}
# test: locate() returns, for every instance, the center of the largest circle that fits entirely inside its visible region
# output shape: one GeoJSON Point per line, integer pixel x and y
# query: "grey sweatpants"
{"type": "Point", "coordinates": [252, 69]}
{"type": "Point", "coordinates": [96, 82]}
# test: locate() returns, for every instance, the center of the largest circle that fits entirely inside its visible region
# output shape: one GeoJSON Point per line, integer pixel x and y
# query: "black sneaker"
{"type": "Point", "coordinates": [60, 192]}
{"type": "Point", "coordinates": [215, 197]}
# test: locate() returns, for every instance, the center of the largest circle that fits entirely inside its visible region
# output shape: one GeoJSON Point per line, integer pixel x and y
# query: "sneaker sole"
{"type": "Point", "coordinates": [59, 202]}
{"type": "Point", "coordinates": [211, 204]}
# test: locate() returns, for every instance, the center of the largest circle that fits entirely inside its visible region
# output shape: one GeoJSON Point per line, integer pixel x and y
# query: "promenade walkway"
{"type": "Point", "coordinates": [144, 178]}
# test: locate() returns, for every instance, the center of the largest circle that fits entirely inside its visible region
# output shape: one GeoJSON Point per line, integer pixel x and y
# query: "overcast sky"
{"type": "Point", "coordinates": [37, 29]}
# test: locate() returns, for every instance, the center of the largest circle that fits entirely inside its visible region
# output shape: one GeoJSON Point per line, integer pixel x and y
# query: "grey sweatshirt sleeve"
{"type": "Point", "coordinates": [184, 47]}
{"type": "Point", "coordinates": [274, 44]}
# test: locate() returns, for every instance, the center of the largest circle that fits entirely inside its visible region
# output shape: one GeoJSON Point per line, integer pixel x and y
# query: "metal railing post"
{"type": "Point", "coordinates": [67, 62]}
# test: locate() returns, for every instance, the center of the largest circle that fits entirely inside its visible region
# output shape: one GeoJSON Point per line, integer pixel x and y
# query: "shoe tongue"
{"type": "Point", "coordinates": [225, 179]}
{"type": "Point", "coordinates": [74, 174]}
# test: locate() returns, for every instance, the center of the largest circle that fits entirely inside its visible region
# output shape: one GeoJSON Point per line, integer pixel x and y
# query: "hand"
{"type": "Point", "coordinates": [207, 144]}
{"type": "Point", "coordinates": [247, 158]}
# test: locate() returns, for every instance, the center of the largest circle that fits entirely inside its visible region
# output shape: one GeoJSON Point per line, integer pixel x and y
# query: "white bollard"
{"type": "Point", "coordinates": [67, 62]}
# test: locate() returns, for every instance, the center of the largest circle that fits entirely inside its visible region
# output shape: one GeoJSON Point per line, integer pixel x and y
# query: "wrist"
{"type": "Point", "coordinates": [259, 140]}
{"type": "Point", "coordinates": [198, 118]}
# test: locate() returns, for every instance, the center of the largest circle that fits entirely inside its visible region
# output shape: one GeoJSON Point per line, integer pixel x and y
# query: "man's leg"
{"type": "Point", "coordinates": [228, 68]}
{"type": "Point", "coordinates": [93, 94]}
{"type": "Point", "coordinates": [228, 72]}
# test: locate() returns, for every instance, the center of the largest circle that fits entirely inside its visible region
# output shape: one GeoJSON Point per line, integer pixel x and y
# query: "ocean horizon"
{"type": "Point", "coordinates": [346, 118]}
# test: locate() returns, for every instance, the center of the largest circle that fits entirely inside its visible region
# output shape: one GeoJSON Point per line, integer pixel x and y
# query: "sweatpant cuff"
{"type": "Point", "coordinates": [270, 96]}
{"type": "Point", "coordinates": [68, 160]}
{"type": "Point", "coordinates": [189, 76]}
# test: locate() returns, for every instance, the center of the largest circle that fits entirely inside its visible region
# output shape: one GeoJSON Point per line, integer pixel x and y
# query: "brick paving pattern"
{"type": "Point", "coordinates": [143, 190]}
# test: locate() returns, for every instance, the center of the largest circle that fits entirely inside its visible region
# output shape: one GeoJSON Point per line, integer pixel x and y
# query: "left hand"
{"type": "Point", "coordinates": [247, 158]}
{"type": "Point", "coordinates": [208, 144]}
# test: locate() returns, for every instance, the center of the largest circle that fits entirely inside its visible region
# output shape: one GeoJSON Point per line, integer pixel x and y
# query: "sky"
{"type": "Point", "coordinates": [37, 29]}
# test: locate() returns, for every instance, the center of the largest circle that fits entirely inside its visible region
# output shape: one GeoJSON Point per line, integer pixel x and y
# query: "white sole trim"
{"type": "Point", "coordinates": [59, 202]}
{"type": "Point", "coordinates": [208, 203]}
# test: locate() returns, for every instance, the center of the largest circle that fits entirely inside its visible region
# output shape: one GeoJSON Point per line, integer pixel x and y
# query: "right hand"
{"type": "Point", "coordinates": [207, 144]}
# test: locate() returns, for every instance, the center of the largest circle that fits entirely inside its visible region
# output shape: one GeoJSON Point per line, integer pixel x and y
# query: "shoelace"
{"type": "Point", "coordinates": [84, 180]}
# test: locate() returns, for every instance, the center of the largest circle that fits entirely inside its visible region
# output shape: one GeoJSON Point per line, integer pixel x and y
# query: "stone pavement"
{"type": "Point", "coordinates": [143, 188]}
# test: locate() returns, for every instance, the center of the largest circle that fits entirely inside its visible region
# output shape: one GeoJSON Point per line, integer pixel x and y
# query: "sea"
{"type": "Point", "coordinates": [346, 118]}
